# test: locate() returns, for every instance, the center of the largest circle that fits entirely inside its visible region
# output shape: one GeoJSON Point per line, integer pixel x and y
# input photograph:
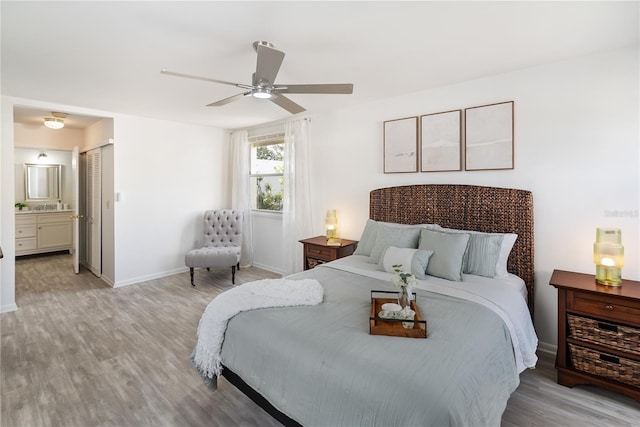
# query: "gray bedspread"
{"type": "Point", "coordinates": [320, 366]}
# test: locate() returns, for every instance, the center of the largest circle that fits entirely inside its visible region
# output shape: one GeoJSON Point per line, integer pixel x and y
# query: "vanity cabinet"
{"type": "Point", "coordinates": [26, 231]}
{"type": "Point", "coordinates": [43, 232]}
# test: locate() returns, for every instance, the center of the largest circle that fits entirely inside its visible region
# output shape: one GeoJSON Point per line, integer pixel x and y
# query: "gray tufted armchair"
{"type": "Point", "coordinates": [222, 243]}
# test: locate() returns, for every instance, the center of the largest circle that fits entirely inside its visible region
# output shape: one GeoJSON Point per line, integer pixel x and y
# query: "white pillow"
{"type": "Point", "coordinates": [507, 244]}
{"type": "Point", "coordinates": [417, 260]}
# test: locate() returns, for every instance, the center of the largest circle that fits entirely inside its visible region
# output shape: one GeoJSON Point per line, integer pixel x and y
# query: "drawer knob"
{"type": "Point", "coordinates": [608, 307]}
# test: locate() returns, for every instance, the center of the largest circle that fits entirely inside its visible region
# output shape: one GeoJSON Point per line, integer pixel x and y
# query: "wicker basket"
{"type": "Point", "coordinates": [605, 365]}
{"type": "Point", "coordinates": [617, 336]}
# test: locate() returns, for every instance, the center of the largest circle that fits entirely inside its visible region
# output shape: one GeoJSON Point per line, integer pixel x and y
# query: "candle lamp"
{"type": "Point", "coordinates": [331, 227]}
{"type": "Point", "coordinates": [608, 256]}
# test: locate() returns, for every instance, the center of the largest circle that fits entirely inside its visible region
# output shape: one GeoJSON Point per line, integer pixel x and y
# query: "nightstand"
{"type": "Point", "coordinates": [316, 251]}
{"type": "Point", "coordinates": [598, 333]}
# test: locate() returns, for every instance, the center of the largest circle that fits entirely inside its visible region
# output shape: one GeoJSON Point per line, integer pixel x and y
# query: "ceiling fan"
{"type": "Point", "coordinates": [263, 82]}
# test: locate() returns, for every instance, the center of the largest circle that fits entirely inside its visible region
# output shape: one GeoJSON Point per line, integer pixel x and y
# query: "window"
{"type": "Point", "coordinates": [267, 173]}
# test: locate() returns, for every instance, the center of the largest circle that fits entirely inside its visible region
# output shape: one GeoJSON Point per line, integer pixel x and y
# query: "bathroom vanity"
{"type": "Point", "coordinates": [43, 231]}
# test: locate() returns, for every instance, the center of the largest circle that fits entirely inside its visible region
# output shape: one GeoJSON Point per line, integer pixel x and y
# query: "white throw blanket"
{"type": "Point", "coordinates": [249, 296]}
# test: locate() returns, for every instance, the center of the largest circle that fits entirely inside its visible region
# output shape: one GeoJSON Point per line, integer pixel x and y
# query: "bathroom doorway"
{"type": "Point", "coordinates": [37, 144]}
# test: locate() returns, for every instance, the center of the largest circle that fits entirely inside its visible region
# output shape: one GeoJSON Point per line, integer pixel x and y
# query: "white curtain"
{"type": "Point", "coordinates": [241, 190]}
{"type": "Point", "coordinates": [296, 210]}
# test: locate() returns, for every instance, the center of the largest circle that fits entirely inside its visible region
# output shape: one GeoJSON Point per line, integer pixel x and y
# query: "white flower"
{"type": "Point", "coordinates": [402, 278]}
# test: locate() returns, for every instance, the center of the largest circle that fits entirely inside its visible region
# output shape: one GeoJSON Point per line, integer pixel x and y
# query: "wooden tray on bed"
{"type": "Point", "coordinates": [394, 327]}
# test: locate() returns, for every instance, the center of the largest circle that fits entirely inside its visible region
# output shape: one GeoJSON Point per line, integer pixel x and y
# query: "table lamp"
{"type": "Point", "coordinates": [608, 256]}
{"type": "Point", "coordinates": [331, 226]}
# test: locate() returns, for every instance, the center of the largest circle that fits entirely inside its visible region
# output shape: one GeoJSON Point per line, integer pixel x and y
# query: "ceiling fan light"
{"type": "Point", "coordinates": [261, 93]}
{"type": "Point", "coordinates": [54, 123]}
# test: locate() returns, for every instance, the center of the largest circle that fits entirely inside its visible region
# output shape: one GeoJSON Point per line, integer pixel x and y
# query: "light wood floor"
{"type": "Point", "coordinates": [79, 353]}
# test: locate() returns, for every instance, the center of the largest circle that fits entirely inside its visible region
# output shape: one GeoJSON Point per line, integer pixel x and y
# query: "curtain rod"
{"type": "Point", "coordinates": [264, 125]}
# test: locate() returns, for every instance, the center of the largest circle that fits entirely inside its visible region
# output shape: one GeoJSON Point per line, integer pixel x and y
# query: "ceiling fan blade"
{"type": "Point", "coordinates": [320, 88]}
{"type": "Point", "coordinates": [206, 79]}
{"type": "Point", "coordinates": [287, 104]}
{"type": "Point", "coordinates": [268, 65]}
{"type": "Point", "coordinates": [228, 100]}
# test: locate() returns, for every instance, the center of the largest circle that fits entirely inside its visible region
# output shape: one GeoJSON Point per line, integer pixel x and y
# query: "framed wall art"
{"type": "Point", "coordinates": [441, 141]}
{"type": "Point", "coordinates": [401, 145]}
{"type": "Point", "coordinates": [489, 137]}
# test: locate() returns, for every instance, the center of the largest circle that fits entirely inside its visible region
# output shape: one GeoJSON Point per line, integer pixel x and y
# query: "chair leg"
{"type": "Point", "coordinates": [191, 273]}
{"type": "Point", "coordinates": [233, 274]}
{"type": "Point", "coordinates": [238, 266]}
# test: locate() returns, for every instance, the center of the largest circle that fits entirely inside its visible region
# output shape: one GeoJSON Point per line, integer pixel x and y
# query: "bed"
{"type": "Point", "coordinates": [318, 365]}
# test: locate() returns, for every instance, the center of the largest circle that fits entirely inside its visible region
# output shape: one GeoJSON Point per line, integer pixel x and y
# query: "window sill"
{"type": "Point", "coordinates": [266, 214]}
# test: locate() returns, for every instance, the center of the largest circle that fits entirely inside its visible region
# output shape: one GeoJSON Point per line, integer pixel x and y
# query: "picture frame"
{"type": "Point", "coordinates": [489, 137]}
{"type": "Point", "coordinates": [441, 141]}
{"type": "Point", "coordinates": [400, 145]}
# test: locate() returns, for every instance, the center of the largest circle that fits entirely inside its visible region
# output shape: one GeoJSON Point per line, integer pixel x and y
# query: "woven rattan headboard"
{"type": "Point", "coordinates": [465, 207]}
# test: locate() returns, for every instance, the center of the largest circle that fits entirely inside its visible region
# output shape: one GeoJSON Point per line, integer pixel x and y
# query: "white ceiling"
{"type": "Point", "coordinates": [108, 55]}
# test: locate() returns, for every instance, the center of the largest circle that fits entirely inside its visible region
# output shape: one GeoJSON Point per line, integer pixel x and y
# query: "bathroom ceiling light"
{"type": "Point", "coordinates": [55, 122]}
{"type": "Point", "coordinates": [42, 156]}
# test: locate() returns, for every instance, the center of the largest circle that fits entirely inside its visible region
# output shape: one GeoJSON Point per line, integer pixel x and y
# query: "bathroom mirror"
{"type": "Point", "coordinates": [42, 182]}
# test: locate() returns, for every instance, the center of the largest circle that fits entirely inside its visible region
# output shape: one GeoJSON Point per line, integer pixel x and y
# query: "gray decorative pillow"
{"type": "Point", "coordinates": [368, 238]}
{"type": "Point", "coordinates": [393, 236]}
{"type": "Point", "coordinates": [482, 254]}
{"type": "Point", "coordinates": [507, 241]}
{"type": "Point", "coordinates": [448, 253]}
{"type": "Point", "coordinates": [415, 260]}
{"type": "Point", "coordinates": [370, 232]}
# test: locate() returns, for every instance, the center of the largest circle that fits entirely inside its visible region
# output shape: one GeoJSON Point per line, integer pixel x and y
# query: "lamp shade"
{"type": "Point", "coordinates": [608, 256]}
{"type": "Point", "coordinates": [331, 225]}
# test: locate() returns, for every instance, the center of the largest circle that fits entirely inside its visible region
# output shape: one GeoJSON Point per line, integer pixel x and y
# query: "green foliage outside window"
{"type": "Point", "coordinates": [266, 199]}
{"type": "Point", "coordinates": [271, 152]}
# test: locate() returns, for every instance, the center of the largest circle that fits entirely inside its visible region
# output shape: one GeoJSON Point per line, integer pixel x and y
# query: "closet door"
{"type": "Point", "coordinates": [94, 220]}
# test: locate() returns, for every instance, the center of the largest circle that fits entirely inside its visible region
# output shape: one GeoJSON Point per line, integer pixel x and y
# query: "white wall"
{"type": "Point", "coordinates": [98, 134]}
{"type": "Point", "coordinates": [576, 149]}
{"type": "Point", "coordinates": [167, 174]}
{"type": "Point", "coordinates": [40, 137]}
{"type": "Point", "coordinates": [268, 240]}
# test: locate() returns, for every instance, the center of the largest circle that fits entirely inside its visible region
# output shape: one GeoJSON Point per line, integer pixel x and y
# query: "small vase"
{"type": "Point", "coordinates": [403, 297]}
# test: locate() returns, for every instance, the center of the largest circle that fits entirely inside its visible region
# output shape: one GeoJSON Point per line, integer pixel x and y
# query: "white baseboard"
{"type": "Point", "coordinates": [154, 276]}
{"type": "Point", "coordinates": [268, 268]}
{"type": "Point", "coordinates": [8, 308]}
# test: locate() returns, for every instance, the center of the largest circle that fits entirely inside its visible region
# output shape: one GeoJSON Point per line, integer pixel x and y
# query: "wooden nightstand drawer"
{"type": "Point", "coordinates": [320, 252]}
{"type": "Point", "coordinates": [605, 307]}
{"type": "Point", "coordinates": [317, 251]}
